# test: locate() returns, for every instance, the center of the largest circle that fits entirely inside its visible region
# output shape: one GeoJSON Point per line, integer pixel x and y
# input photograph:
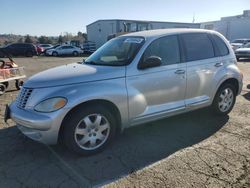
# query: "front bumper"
{"type": "Point", "coordinates": [48, 52]}
{"type": "Point", "coordinates": [42, 127]}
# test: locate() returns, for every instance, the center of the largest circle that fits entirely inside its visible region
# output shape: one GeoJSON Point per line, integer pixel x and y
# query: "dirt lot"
{"type": "Point", "coordinates": [189, 150]}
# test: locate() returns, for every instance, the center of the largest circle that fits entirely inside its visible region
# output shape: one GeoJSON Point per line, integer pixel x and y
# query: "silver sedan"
{"type": "Point", "coordinates": [64, 50]}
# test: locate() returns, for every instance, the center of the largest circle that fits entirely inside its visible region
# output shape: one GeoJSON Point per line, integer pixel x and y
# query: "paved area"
{"type": "Point", "coordinates": [189, 150]}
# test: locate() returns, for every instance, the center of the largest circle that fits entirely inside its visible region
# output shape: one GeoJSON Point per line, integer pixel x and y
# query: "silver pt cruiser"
{"type": "Point", "coordinates": [132, 79]}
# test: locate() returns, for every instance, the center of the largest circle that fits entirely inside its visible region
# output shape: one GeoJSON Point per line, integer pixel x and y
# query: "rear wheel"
{"type": "Point", "coordinates": [19, 84]}
{"type": "Point", "coordinates": [6, 84]}
{"type": "Point", "coordinates": [89, 130]}
{"type": "Point", "coordinates": [75, 53]}
{"type": "Point", "coordinates": [224, 99]}
{"type": "Point", "coordinates": [2, 89]}
{"type": "Point", "coordinates": [54, 54]}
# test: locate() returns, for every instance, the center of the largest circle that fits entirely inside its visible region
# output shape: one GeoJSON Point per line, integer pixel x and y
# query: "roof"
{"type": "Point", "coordinates": [146, 21]}
{"type": "Point", "coordinates": [162, 32]}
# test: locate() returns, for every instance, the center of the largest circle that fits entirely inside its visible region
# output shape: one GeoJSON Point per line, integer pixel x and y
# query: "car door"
{"type": "Point", "coordinates": [13, 49]}
{"type": "Point", "coordinates": [61, 50]}
{"type": "Point", "coordinates": [202, 65]}
{"type": "Point", "coordinates": [70, 50]}
{"type": "Point", "coordinates": [67, 50]}
{"type": "Point", "coordinates": [158, 91]}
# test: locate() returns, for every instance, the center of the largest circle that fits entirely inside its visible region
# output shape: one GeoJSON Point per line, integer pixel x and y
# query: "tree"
{"type": "Point", "coordinates": [60, 39]}
{"type": "Point", "coordinates": [44, 40]}
{"type": "Point", "coordinates": [79, 34]}
{"type": "Point", "coordinates": [20, 40]}
{"type": "Point", "coordinates": [28, 39]}
{"type": "Point", "coordinates": [84, 35]}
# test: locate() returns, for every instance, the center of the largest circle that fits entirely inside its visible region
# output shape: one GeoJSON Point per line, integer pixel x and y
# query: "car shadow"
{"type": "Point", "coordinates": [36, 164]}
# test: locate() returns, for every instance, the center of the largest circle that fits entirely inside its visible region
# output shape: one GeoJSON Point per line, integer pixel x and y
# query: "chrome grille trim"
{"type": "Point", "coordinates": [23, 97]}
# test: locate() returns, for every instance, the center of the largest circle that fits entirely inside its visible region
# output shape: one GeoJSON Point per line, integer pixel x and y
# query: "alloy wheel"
{"type": "Point", "coordinates": [226, 99]}
{"type": "Point", "coordinates": [92, 131]}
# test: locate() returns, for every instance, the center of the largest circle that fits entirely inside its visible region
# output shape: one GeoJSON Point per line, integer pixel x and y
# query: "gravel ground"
{"type": "Point", "coordinates": [189, 150]}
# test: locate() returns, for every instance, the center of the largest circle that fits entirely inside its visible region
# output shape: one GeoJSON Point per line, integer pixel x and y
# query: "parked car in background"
{"type": "Point", "coordinates": [243, 52]}
{"type": "Point", "coordinates": [45, 46]}
{"type": "Point", "coordinates": [238, 43]}
{"type": "Point", "coordinates": [64, 50]}
{"type": "Point", "coordinates": [39, 49]}
{"type": "Point", "coordinates": [21, 49]}
{"type": "Point", "coordinates": [89, 47]}
{"type": "Point", "coordinates": [132, 79]}
{"type": "Point", "coordinates": [53, 47]}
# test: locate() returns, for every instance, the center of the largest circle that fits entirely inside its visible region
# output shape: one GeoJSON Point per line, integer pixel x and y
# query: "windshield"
{"type": "Point", "coordinates": [116, 52]}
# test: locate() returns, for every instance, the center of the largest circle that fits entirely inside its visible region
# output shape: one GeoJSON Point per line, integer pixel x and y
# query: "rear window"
{"type": "Point", "coordinates": [219, 46]}
{"type": "Point", "coordinates": [197, 46]}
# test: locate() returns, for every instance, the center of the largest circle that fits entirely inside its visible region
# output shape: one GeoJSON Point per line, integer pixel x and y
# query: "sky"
{"type": "Point", "coordinates": [54, 17]}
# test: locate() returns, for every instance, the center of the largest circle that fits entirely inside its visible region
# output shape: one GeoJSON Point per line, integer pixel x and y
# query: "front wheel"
{"type": "Point", "coordinates": [89, 130]}
{"type": "Point", "coordinates": [224, 99]}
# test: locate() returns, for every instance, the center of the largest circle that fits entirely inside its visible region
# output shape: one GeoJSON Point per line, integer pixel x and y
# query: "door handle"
{"type": "Point", "coordinates": [179, 72]}
{"type": "Point", "coordinates": [218, 64]}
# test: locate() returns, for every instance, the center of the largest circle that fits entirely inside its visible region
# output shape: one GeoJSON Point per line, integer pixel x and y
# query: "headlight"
{"type": "Point", "coordinates": [51, 105]}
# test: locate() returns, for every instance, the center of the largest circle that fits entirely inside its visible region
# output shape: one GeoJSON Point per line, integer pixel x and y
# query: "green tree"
{"type": "Point", "coordinates": [60, 39]}
{"type": "Point", "coordinates": [79, 34]}
{"type": "Point", "coordinates": [28, 39]}
{"type": "Point", "coordinates": [44, 40]}
{"type": "Point", "coordinates": [84, 35]}
{"type": "Point", "coordinates": [20, 40]}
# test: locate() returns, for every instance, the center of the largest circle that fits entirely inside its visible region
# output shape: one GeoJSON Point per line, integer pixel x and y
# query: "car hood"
{"type": "Point", "coordinates": [243, 50]}
{"type": "Point", "coordinates": [73, 74]}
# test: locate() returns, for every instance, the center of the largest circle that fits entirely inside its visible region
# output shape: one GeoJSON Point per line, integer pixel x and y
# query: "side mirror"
{"type": "Point", "coordinates": [152, 61]}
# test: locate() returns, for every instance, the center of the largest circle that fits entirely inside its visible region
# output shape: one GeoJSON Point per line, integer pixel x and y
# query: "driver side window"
{"type": "Point", "coordinates": [167, 48]}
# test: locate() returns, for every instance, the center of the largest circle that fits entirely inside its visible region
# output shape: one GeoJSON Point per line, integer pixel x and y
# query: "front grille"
{"type": "Point", "coordinates": [23, 97]}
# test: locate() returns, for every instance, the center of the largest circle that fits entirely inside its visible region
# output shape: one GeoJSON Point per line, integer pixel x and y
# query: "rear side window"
{"type": "Point", "coordinates": [219, 46]}
{"type": "Point", "coordinates": [167, 48]}
{"type": "Point", "coordinates": [197, 46]}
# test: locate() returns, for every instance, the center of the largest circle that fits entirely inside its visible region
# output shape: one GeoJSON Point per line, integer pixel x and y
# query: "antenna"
{"type": "Point", "coordinates": [193, 18]}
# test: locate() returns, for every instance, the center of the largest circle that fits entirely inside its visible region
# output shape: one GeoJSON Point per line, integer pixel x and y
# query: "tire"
{"type": "Point", "coordinates": [75, 53]}
{"type": "Point", "coordinates": [19, 84]}
{"type": "Point", "coordinates": [2, 89]}
{"type": "Point", "coordinates": [92, 137]}
{"type": "Point", "coordinates": [6, 84]}
{"type": "Point", "coordinates": [55, 54]}
{"type": "Point", "coordinates": [29, 54]}
{"type": "Point", "coordinates": [224, 100]}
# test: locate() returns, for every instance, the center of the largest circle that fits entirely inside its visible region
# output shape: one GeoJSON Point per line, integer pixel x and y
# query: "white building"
{"type": "Point", "coordinates": [100, 31]}
{"type": "Point", "coordinates": [232, 27]}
